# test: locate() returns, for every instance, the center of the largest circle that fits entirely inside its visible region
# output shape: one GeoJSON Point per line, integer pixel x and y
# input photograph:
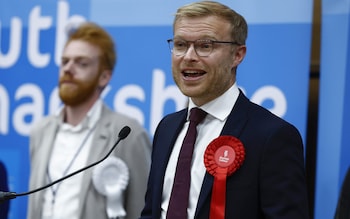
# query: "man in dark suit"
{"type": "Point", "coordinates": [343, 207]}
{"type": "Point", "coordinates": [4, 207]}
{"type": "Point", "coordinates": [208, 45]}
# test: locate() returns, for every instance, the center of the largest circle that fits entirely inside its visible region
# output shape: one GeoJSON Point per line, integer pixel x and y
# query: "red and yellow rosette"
{"type": "Point", "coordinates": [223, 156]}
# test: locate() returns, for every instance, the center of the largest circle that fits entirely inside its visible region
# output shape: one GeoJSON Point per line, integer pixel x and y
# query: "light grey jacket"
{"type": "Point", "coordinates": [135, 151]}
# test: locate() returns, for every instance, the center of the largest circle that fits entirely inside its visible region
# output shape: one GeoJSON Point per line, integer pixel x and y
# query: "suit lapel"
{"type": "Point", "coordinates": [234, 126]}
{"type": "Point", "coordinates": [98, 150]}
{"type": "Point", "coordinates": [164, 141]}
{"type": "Point", "coordinates": [173, 129]}
{"type": "Point", "coordinates": [47, 146]}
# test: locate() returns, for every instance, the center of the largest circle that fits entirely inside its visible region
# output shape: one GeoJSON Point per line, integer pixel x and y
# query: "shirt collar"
{"type": "Point", "coordinates": [89, 121]}
{"type": "Point", "coordinates": [225, 102]}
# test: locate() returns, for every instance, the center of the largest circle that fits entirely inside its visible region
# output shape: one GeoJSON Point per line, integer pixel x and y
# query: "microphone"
{"type": "Point", "coordinates": [4, 196]}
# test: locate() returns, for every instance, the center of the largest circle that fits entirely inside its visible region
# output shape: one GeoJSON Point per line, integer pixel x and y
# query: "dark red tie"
{"type": "Point", "coordinates": [180, 193]}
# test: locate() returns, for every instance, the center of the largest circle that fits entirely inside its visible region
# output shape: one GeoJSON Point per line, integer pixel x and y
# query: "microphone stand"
{"type": "Point", "coordinates": [124, 132]}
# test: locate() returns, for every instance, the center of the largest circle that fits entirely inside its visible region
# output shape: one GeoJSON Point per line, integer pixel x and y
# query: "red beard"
{"type": "Point", "coordinates": [76, 91]}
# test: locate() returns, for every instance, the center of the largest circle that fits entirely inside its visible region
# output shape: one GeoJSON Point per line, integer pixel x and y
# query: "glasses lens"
{"type": "Point", "coordinates": [179, 47]}
{"type": "Point", "coordinates": [203, 47]}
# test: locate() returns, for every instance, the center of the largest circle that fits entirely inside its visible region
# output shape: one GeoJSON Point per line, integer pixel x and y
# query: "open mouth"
{"type": "Point", "coordinates": [193, 73]}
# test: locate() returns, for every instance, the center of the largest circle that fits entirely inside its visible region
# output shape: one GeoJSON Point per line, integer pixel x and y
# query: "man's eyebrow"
{"type": "Point", "coordinates": [76, 57]}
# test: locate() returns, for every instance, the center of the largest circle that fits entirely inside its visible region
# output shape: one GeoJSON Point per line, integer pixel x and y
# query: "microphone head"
{"type": "Point", "coordinates": [124, 132]}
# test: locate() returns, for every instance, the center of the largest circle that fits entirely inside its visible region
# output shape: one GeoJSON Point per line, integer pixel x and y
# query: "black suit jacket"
{"type": "Point", "coordinates": [269, 184]}
{"type": "Point", "coordinates": [343, 207]}
{"type": "Point", "coordinates": [4, 206]}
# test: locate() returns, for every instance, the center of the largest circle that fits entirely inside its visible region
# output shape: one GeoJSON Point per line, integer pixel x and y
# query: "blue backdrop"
{"type": "Point", "coordinates": [274, 73]}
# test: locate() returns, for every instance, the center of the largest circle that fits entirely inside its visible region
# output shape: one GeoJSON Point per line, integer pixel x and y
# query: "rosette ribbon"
{"type": "Point", "coordinates": [110, 179]}
{"type": "Point", "coordinates": [223, 156]}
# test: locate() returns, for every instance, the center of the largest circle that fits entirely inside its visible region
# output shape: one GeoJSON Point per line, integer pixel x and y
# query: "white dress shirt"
{"type": "Point", "coordinates": [208, 130]}
{"type": "Point", "coordinates": [71, 150]}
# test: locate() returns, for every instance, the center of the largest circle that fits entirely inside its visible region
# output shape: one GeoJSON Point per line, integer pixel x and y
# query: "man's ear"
{"type": "Point", "coordinates": [105, 77]}
{"type": "Point", "coordinates": [240, 52]}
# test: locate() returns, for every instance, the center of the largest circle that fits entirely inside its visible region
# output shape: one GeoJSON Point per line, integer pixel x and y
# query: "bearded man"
{"type": "Point", "coordinates": [83, 132]}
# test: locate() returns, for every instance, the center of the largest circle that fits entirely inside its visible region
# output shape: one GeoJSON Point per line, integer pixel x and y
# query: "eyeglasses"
{"type": "Point", "coordinates": [203, 48]}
